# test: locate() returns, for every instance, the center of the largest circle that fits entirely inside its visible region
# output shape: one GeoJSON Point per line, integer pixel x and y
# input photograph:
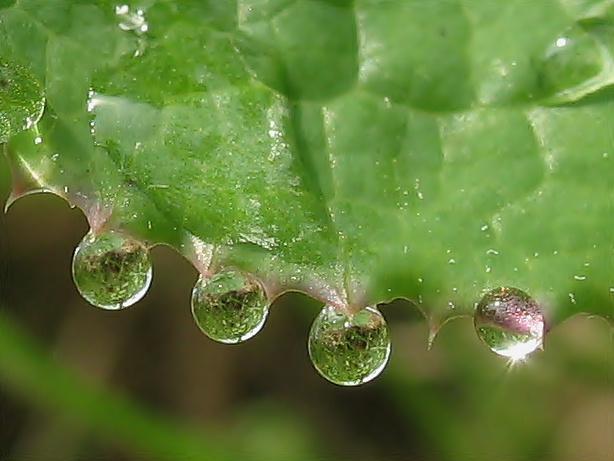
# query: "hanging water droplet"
{"type": "Point", "coordinates": [229, 307]}
{"type": "Point", "coordinates": [509, 322]}
{"type": "Point", "coordinates": [111, 271]}
{"type": "Point", "coordinates": [22, 100]}
{"type": "Point", "coordinates": [349, 349]}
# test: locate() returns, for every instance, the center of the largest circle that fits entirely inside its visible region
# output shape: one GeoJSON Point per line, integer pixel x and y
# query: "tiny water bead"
{"type": "Point", "coordinates": [130, 19]}
{"type": "Point", "coordinates": [134, 21]}
{"type": "Point", "coordinates": [572, 64]}
{"type": "Point", "coordinates": [111, 271]}
{"type": "Point", "coordinates": [509, 322]}
{"type": "Point", "coordinates": [22, 100]}
{"type": "Point", "coordinates": [349, 349]}
{"type": "Point", "coordinates": [230, 306]}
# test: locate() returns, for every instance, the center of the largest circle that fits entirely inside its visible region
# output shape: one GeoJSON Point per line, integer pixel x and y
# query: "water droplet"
{"type": "Point", "coordinates": [133, 20]}
{"type": "Point", "coordinates": [111, 271]}
{"type": "Point", "coordinates": [509, 322]}
{"type": "Point", "coordinates": [349, 349]}
{"type": "Point", "coordinates": [229, 307]}
{"type": "Point", "coordinates": [572, 64]}
{"type": "Point", "coordinates": [129, 19]}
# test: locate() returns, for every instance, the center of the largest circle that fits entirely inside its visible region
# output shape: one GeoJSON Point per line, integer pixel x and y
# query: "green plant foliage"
{"type": "Point", "coordinates": [111, 271]}
{"type": "Point", "coordinates": [229, 307]}
{"type": "Point", "coordinates": [429, 150]}
{"type": "Point", "coordinates": [32, 370]}
{"type": "Point", "coordinates": [21, 100]}
{"type": "Point", "coordinates": [349, 348]}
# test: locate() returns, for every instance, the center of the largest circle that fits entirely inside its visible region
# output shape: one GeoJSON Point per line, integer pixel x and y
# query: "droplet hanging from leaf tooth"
{"type": "Point", "coordinates": [349, 349]}
{"type": "Point", "coordinates": [509, 322]}
{"type": "Point", "coordinates": [111, 271]}
{"type": "Point", "coordinates": [230, 306]}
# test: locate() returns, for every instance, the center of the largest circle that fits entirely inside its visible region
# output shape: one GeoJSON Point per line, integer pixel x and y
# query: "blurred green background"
{"type": "Point", "coordinates": [79, 383]}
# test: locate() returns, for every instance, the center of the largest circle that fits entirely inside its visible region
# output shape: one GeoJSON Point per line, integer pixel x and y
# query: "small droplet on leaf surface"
{"type": "Point", "coordinates": [572, 63]}
{"type": "Point", "coordinates": [349, 349]}
{"type": "Point", "coordinates": [111, 271]}
{"type": "Point", "coordinates": [229, 307]}
{"type": "Point", "coordinates": [509, 322]}
{"type": "Point", "coordinates": [131, 19]}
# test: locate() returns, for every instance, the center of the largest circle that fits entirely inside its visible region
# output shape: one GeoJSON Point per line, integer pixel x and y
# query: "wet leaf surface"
{"type": "Point", "coordinates": [429, 150]}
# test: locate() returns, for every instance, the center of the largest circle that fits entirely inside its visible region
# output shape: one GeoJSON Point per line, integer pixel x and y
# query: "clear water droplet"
{"type": "Point", "coordinates": [349, 349]}
{"type": "Point", "coordinates": [572, 64]}
{"type": "Point", "coordinates": [509, 322]}
{"type": "Point", "coordinates": [229, 307]}
{"type": "Point", "coordinates": [111, 270]}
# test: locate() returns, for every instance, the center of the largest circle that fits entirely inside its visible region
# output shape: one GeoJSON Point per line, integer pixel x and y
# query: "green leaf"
{"type": "Point", "coordinates": [370, 148]}
{"type": "Point", "coordinates": [21, 100]}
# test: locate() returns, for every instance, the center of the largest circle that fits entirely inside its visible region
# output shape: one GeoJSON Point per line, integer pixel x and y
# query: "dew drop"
{"type": "Point", "coordinates": [111, 270]}
{"type": "Point", "coordinates": [509, 322]}
{"type": "Point", "coordinates": [349, 349]}
{"type": "Point", "coordinates": [572, 64]}
{"type": "Point", "coordinates": [134, 21]}
{"type": "Point", "coordinates": [129, 19]}
{"type": "Point", "coordinates": [229, 307]}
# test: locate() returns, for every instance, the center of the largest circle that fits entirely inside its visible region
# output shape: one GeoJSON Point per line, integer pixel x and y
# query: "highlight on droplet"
{"type": "Point", "coordinates": [230, 306]}
{"type": "Point", "coordinates": [509, 322]}
{"type": "Point", "coordinates": [111, 270]}
{"type": "Point", "coordinates": [349, 349]}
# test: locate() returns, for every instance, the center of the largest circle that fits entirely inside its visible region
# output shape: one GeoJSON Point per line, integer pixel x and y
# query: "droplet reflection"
{"type": "Point", "coordinates": [572, 64]}
{"type": "Point", "coordinates": [229, 307]}
{"type": "Point", "coordinates": [509, 322]}
{"type": "Point", "coordinates": [349, 349]}
{"type": "Point", "coordinates": [111, 271]}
